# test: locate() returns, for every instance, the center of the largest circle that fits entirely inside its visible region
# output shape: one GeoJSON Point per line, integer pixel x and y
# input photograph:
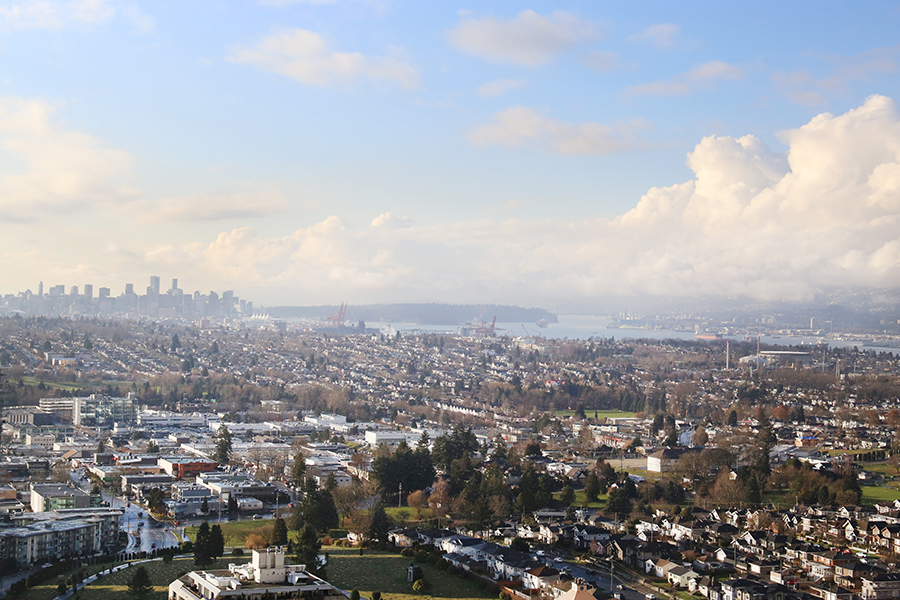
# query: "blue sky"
{"type": "Point", "coordinates": [313, 151]}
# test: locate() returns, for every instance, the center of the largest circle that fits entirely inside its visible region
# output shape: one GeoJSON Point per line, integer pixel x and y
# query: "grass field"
{"type": "Point", "coordinates": [115, 586]}
{"type": "Point", "coordinates": [884, 468]}
{"type": "Point", "coordinates": [875, 494]}
{"type": "Point", "coordinates": [235, 532]}
{"type": "Point", "coordinates": [386, 573]}
{"type": "Point", "coordinates": [580, 500]}
{"type": "Point", "coordinates": [601, 414]}
{"type": "Point", "coordinates": [69, 387]}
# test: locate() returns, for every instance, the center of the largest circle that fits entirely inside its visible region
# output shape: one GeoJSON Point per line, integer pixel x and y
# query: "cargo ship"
{"type": "Point", "coordinates": [708, 336]}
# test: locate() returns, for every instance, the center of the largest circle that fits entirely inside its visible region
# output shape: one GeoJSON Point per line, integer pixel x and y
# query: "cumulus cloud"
{"type": "Point", "coordinates": [529, 39]}
{"type": "Point", "coordinates": [522, 126]}
{"type": "Point", "coordinates": [390, 221]}
{"type": "Point", "coordinates": [498, 87]}
{"type": "Point", "coordinates": [684, 84]}
{"type": "Point", "coordinates": [55, 15]}
{"type": "Point", "coordinates": [306, 57]}
{"type": "Point", "coordinates": [751, 222]}
{"type": "Point", "coordinates": [52, 168]}
{"type": "Point", "coordinates": [661, 35]}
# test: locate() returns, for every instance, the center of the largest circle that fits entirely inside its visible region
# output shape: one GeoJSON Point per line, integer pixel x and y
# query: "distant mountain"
{"type": "Point", "coordinates": [420, 314]}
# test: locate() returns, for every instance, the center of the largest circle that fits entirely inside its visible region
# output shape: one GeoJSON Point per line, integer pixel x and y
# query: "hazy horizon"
{"type": "Point", "coordinates": [307, 152]}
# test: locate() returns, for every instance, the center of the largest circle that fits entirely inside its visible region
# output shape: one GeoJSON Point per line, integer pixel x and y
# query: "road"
{"type": "Point", "coordinates": [598, 575]}
{"type": "Point", "coordinates": [144, 532]}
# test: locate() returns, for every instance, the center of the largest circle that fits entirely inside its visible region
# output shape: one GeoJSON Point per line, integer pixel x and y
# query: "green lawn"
{"type": "Point", "coordinates": [580, 500]}
{"type": "Point", "coordinates": [115, 586]}
{"type": "Point", "coordinates": [235, 532]}
{"type": "Point", "coordinates": [386, 573]}
{"type": "Point", "coordinates": [69, 387]}
{"type": "Point", "coordinates": [601, 414]}
{"type": "Point", "coordinates": [874, 494]}
{"type": "Point", "coordinates": [884, 468]}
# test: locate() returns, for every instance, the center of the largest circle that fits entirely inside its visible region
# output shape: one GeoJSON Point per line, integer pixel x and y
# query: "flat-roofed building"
{"type": "Point", "coordinates": [54, 496]}
{"type": "Point", "coordinates": [265, 576]}
{"type": "Point", "coordinates": [181, 467]}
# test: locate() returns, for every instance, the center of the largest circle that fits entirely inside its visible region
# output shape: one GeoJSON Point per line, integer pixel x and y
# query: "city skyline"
{"type": "Point", "coordinates": [313, 152]}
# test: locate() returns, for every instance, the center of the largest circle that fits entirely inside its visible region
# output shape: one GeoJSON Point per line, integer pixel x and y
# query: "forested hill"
{"type": "Point", "coordinates": [421, 314]}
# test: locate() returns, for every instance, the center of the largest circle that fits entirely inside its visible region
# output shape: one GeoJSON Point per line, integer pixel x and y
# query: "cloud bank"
{"type": "Point", "coordinates": [752, 222]}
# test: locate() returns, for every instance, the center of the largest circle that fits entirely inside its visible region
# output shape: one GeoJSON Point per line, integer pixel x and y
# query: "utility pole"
{"type": "Point", "coordinates": [400, 496]}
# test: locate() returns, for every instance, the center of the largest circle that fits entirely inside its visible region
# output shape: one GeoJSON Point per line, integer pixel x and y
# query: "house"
{"type": "Point", "coordinates": [880, 587]}
{"type": "Point", "coordinates": [681, 576]}
{"type": "Point", "coordinates": [663, 461]}
{"type": "Point", "coordinates": [539, 577]}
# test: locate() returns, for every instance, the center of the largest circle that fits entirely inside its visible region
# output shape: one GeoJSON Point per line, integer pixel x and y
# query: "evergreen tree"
{"type": "Point", "coordinates": [500, 451]}
{"type": "Point", "coordinates": [216, 542]}
{"type": "Point", "coordinates": [568, 496]}
{"type": "Point", "coordinates": [233, 508]}
{"type": "Point", "coordinates": [591, 487]}
{"type": "Point", "coordinates": [732, 418]}
{"type": "Point", "coordinates": [298, 474]}
{"type": "Point", "coordinates": [618, 503]}
{"type": "Point", "coordinates": [201, 545]}
{"type": "Point", "coordinates": [223, 445]}
{"type": "Point", "coordinates": [176, 343]}
{"type": "Point", "coordinates": [140, 584]}
{"type": "Point", "coordinates": [381, 523]}
{"type": "Point", "coordinates": [204, 506]}
{"type": "Point", "coordinates": [307, 550]}
{"type": "Point", "coordinates": [280, 533]}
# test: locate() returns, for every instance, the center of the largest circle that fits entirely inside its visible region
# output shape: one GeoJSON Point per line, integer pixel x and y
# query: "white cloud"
{"type": "Point", "coordinates": [213, 207]}
{"type": "Point", "coordinates": [601, 61]}
{"type": "Point", "coordinates": [499, 87]}
{"type": "Point", "coordinates": [60, 14]}
{"type": "Point", "coordinates": [529, 39]}
{"type": "Point", "coordinates": [685, 84]}
{"type": "Point", "coordinates": [714, 69]}
{"type": "Point", "coordinates": [521, 126]}
{"type": "Point", "coordinates": [390, 221]}
{"type": "Point", "coordinates": [50, 168]}
{"type": "Point", "coordinates": [660, 36]}
{"type": "Point", "coordinates": [660, 88]}
{"type": "Point", "coordinates": [305, 56]}
{"type": "Point", "coordinates": [751, 222]}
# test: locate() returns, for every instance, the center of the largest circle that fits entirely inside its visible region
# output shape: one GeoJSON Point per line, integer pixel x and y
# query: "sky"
{"type": "Point", "coordinates": [325, 151]}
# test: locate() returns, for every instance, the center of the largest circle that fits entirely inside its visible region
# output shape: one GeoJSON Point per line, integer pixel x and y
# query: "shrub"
{"type": "Point", "coordinates": [354, 595]}
{"type": "Point", "coordinates": [433, 558]}
{"type": "Point", "coordinates": [442, 564]}
{"type": "Point", "coordinates": [421, 586]}
{"type": "Point", "coordinates": [237, 552]}
{"type": "Point", "coordinates": [407, 552]}
{"type": "Point", "coordinates": [421, 556]}
{"type": "Point", "coordinates": [327, 541]}
{"type": "Point", "coordinates": [167, 557]}
{"type": "Point", "coordinates": [376, 595]}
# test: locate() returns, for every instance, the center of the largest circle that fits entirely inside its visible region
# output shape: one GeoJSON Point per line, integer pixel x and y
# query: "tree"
{"type": "Point", "coordinates": [533, 449]}
{"type": "Point", "coordinates": [307, 550]}
{"type": "Point", "coordinates": [298, 473]}
{"type": "Point", "coordinates": [152, 448]}
{"type": "Point", "coordinates": [176, 343]}
{"type": "Point", "coordinates": [223, 445]}
{"type": "Point", "coordinates": [101, 446]}
{"type": "Point", "coordinates": [618, 502]}
{"type": "Point", "coordinates": [568, 496]}
{"type": "Point", "coordinates": [700, 437]}
{"type": "Point", "coordinates": [156, 500]}
{"type": "Point", "coordinates": [500, 451]}
{"type": "Point", "coordinates": [317, 509]}
{"type": "Point", "coordinates": [381, 523]}
{"type": "Point", "coordinates": [233, 508]}
{"type": "Point", "coordinates": [280, 533]}
{"type": "Point", "coordinates": [216, 542]}
{"type": "Point", "coordinates": [591, 487]}
{"type": "Point", "coordinates": [732, 418]}
{"type": "Point", "coordinates": [140, 583]}
{"type": "Point", "coordinates": [202, 554]}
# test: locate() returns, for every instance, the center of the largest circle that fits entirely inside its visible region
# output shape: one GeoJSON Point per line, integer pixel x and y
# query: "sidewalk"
{"type": "Point", "coordinates": [88, 580]}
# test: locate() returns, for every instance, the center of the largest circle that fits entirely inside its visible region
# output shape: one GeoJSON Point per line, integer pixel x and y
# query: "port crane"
{"type": "Point", "coordinates": [338, 319]}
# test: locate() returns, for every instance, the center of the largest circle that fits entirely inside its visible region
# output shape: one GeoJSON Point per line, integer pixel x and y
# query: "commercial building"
{"type": "Point", "coordinates": [56, 496]}
{"type": "Point", "coordinates": [181, 467]}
